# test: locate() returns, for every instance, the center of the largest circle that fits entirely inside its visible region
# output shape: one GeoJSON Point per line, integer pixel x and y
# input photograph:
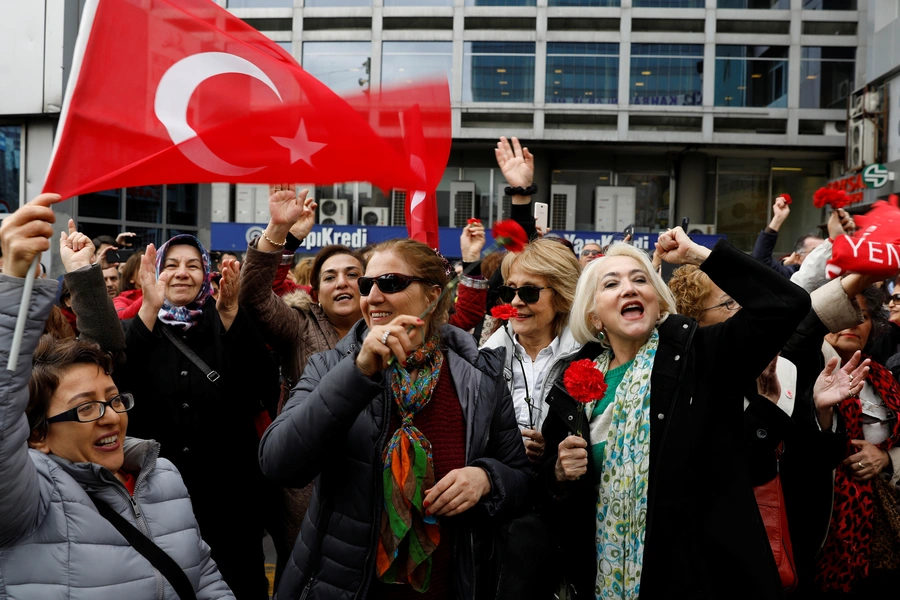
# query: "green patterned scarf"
{"type": "Point", "coordinates": [622, 500]}
{"type": "Point", "coordinates": [408, 536]}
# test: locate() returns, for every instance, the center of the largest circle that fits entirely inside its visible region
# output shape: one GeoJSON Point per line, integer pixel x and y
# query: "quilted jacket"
{"type": "Point", "coordinates": [53, 542]}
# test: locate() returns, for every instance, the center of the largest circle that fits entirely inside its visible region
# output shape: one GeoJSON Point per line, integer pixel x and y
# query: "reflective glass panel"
{"type": "Point", "coordinates": [10, 161]}
{"type": "Point", "coordinates": [584, 2]}
{"type": "Point", "coordinates": [799, 179]}
{"type": "Point", "coordinates": [151, 235]}
{"type": "Point", "coordinates": [826, 77]}
{"type": "Point", "coordinates": [261, 3]}
{"type": "Point", "coordinates": [418, 2]}
{"type": "Point", "coordinates": [342, 66]}
{"type": "Point", "coordinates": [651, 199]}
{"type": "Point", "coordinates": [743, 199]}
{"type": "Point", "coordinates": [498, 72]}
{"type": "Point", "coordinates": [104, 205]}
{"type": "Point", "coordinates": [181, 204]}
{"type": "Point", "coordinates": [409, 62]}
{"type": "Point", "coordinates": [667, 74]}
{"type": "Point", "coordinates": [582, 73]}
{"type": "Point", "coordinates": [337, 3]}
{"type": "Point", "coordinates": [500, 3]}
{"type": "Point", "coordinates": [751, 76]}
{"type": "Point", "coordinates": [830, 4]}
{"type": "Point", "coordinates": [669, 3]}
{"type": "Point", "coordinates": [144, 204]}
{"type": "Point", "coordinates": [770, 4]}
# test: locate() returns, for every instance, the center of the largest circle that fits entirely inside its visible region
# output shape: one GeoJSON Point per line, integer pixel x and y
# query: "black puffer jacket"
{"type": "Point", "coordinates": [335, 427]}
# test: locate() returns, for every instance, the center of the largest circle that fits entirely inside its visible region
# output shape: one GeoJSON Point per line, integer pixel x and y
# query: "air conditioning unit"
{"type": "Point", "coordinates": [462, 202]}
{"type": "Point", "coordinates": [862, 144]}
{"type": "Point", "coordinates": [375, 216]}
{"type": "Point", "coordinates": [872, 102]}
{"type": "Point", "coordinates": [398, 203]}
{"type": "Point", "coordinates": [614, 208]}
{"type": "Point", "coordinates": [835, 128]}
{"type": "Point", "coordinates": [701, 229]}
{"type": "Point", "coordinates": [250, 199]}
{"type": "Point", "coordinates": [562, 207]}
{"type": "Point", "coordinates": [504, 203]}
{"type": "Point", "coordinates": [857, 105]}
{"type": "Point", "coordinates": [221, 202]}
{"type": "Point", "coordinates": [334, 211]}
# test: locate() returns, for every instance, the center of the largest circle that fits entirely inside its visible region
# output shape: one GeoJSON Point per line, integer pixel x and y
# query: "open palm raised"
{"type": "Point", "coordinates": [516, 162]}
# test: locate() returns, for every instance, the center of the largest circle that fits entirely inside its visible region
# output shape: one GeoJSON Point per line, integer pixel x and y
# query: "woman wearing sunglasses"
{"type": "Point", "coordinates": [540, 283]}
{"type": "Point", "coordinates": [652, 501]}
{"type": "Point", "coordinates": [410, 435]}
{"type": "Point", "coordinates": [64, 457]}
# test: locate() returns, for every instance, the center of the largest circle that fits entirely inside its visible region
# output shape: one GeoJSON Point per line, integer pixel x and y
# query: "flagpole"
{"type": "Point", "coordinates": [19, 333]}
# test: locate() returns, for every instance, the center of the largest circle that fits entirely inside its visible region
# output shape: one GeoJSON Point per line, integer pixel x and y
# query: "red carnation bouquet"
{"type": "Point", "coordinates": [510, 235]}
{"type": "Point", "coordinates": [585, 383]}
{"type": "Point", "coordinates": [835, 198]}
{"type": "Point", "coordinates": [786, 198]}
{"type": "Point", "coordinates": [504, 312]}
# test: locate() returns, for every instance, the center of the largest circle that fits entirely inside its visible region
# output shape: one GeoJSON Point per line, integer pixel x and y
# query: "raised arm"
{"type": "Point", "coordinates": [24, 494]}
{"type": "Point", "coordinates": [517, 165]}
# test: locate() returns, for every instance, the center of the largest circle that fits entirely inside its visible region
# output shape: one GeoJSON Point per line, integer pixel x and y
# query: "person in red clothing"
{"type": "Point", "coordinates": [130, 297]}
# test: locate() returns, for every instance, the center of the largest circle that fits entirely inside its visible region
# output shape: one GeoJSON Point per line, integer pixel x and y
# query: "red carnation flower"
{"type": "Point", "coordinates": [836, 198]}
{"type": "Point", "coordinates": [510, 235]}
{"type": "Point", "coordinates": [584, 382]}
{"type": "Point", "coordinates": [472, 221]}
{"type": "Point", "coordinates": [504, 312]}
{"type": "Point", "coordinates": [786, 198]}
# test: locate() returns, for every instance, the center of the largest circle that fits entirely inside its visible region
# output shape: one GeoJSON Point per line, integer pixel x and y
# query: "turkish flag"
{"type": "Point", "coordinates": [421, 205]}
{"type": "Point", "coordinates": [180, 91]}
{"type": "Point", "coordinates": [875, 247]}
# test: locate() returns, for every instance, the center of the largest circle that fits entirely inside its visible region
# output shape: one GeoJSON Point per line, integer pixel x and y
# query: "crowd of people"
{"type": "Point", "coordinates": [400, 437]}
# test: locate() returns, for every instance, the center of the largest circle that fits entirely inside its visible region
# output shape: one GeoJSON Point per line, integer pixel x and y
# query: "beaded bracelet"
{"type": "Point", "coordinates": [271, 241]}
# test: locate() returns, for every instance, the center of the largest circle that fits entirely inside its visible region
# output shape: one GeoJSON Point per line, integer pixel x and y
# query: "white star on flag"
{"type": "Point", "coordinates": [300, 146]}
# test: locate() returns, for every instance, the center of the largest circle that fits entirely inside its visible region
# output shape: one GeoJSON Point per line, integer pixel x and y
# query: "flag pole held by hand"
{"type": "Point", "coordinates": [19, 332]}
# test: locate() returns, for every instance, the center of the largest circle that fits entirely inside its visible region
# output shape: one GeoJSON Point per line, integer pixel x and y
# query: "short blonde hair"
{"type": "Point", "coordinates": [581, 324]}
{"type": "Point", "coordinates": [555, 263]}
{"type": "Point", "coordinates": [691, 287]}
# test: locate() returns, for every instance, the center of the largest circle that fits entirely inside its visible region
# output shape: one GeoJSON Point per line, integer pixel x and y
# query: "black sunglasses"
{"type": "Point", "coordinates": [895, 299]}
{"type": "Point", "coordinates": [389, 283]}
{"type": "Point", "coordinates": [529, 294]}
{"type": "Point", "coordinates": [94, 410]}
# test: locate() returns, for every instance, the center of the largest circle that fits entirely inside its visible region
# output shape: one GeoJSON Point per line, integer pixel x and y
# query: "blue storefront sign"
{"type": "Point", "coordinates": [236, 236]}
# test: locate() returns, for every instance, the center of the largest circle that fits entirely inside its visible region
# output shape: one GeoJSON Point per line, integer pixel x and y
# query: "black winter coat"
{"type": "Point", "coordinates": [334, 429]}
{"type": "Point", "coordinates": [704, 535]}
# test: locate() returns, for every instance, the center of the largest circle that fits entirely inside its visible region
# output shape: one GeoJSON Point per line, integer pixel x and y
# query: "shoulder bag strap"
{"type": "Point", "coordinates": [164, 563]}
{"type": "Point", "coordinates": [210, 374]}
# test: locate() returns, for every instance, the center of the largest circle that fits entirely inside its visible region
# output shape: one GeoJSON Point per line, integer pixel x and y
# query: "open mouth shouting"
{"type": "Point", "coordinates": [632, 311]}
{"type": "Point", "coordinates": [344, 297]}
{"type": "Point", "coordinates": [108, 443]}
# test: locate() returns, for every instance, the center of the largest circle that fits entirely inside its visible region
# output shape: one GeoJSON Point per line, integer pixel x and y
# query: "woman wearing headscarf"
{"type": "Point", "coordinates": [198, 369]}
{"type": "Point", "coordinates": [652, 502]}
{"type": "Point", "coordinates": [410, 435]}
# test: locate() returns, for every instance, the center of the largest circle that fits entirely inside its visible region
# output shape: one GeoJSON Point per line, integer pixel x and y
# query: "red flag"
{"type": "Point", "coordinates": [875, 247]}
{"type": "Point", "coordinates": [180, 91]}
{"type": "Point", "coordinates": [421, 206]}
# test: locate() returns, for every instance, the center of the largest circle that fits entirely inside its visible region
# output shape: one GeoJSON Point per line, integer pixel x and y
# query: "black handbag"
{"type": "Point", "coordinates": [163, 563]}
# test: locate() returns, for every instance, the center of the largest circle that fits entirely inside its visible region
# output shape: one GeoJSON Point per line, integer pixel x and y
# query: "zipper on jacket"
{"type": "Point", "coordinates": [472, 551]}
{"type": "Point", "coordinates": [378, 466]}
{"type": "Point", "coordinates": [139, 519]}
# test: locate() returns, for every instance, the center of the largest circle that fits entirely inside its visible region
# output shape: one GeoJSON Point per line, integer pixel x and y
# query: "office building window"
{"type": "Point", "coordinates": [10, 167]}
{"type": "Point", "coordinates": [498, 72]}
{"type": "Point", "coordinates": [342, 66]}
{"type": "Point", "coordinates": [287, 47]}
{"type": "Point", "coordinates": [751, 76]}
{"type": "Point", "coordinates": [826, 76]}
{"type": "Point", "coordinates": [261, 3]}
{"type": "Point", "coordinates": [337, 3]}
{"type": "Point", "coordinates": [410, 62]}
{"type": "Point", "coordinates": [667, 74]}
{"type": "Point", "coordinates": [418, 2]}
{"type": "Point", "coordinates": [501, 3]}
{"type": "Point", "coordinates": [584, 2]}
{"type": "Point", "coordinates": [582, 73]}
{"type": "Point", "coordinates": [154, 212]}
{"type": "Point", "coordinates": [764, 4]}
{"type": "Point", "coordinates": [669, 3]}
{"type": "Point", "coordinates": [829, 5]}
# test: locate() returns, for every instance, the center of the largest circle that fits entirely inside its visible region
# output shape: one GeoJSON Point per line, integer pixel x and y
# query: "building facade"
{"type": "Point", "coordinates": [638, 111]}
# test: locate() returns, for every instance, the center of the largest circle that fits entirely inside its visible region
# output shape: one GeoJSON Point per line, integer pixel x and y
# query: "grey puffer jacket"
{"type": "Point", "coordinates": [334, 429]}
{"type": "Point", "coordinates": [53, 542]}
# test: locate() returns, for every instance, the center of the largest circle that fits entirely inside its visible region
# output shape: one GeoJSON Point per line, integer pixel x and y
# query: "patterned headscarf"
{"type": "Point", "coordinates": [188, 315]}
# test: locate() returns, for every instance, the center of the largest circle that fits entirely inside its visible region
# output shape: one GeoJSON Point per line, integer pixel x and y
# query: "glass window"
{"type": "Point", "coordinates": [582, 73]}
{"type": "Point", "coordinates": [287, 47]}
{"type": "Point", "coordinates": [338, 3]}
{"type": "Point", "coordinates": [771, 4]}
{"type": "Point", "coordinates": [743, 199]}
{"type": "Point", "coordinates": [407, 62]}
{"type": "Point", "coordinates": [829, 4]}
{"type": "Point", "coordinates": [418, 2]}
{"type": "Point", "coordinates": [10, 166]}
{"type": "Point", "coordinates": [181, 204]}
{"type": "Point", "coordinates": [103, 205]}
{"type": "Point", "coordinates": [584, 3]}
{"type": "Point", "coordinates": [651, 199]}
{"type": "Point", "coordinates": [150, 235]}
{"type": "Point", "coordinates": [261, 3]}
{"type": "Point", "coordinates": [342, 66]}
{"type": "Point", "coordinates": [144, 204]}
{"type": "Point", "coordinates": [751, 76]}
{"type": "Point", "coordinates": [799, 179]}
{"type": "Point", "coordinates": [667, 74]}
{"type": "Point", "coordinates": [498, 72]}
{"type": "Point", "coordinates": [669, 3]}
{"type": "Point", "coordinates": [501, 3]}
{"type": "Point", "coordinates": [826, 77]}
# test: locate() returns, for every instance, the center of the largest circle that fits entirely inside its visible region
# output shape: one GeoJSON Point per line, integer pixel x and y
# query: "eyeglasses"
{"type": "Point", "coordinates": [895, 299]}
{"type": "Point", "coordinates": [94, 410]}
{"type": "Point", "coordinates": [529, 294]}
{"type": "Point", "coordinates": [590, 253]}
{"type": "Point", "coordinates": [389, 283]}
{"type": "Point", "coordinates": [727, 305]}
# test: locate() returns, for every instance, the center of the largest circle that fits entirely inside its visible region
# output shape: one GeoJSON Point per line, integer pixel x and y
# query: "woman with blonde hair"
{"type": "Point", "coordinates": [649, 500]}
{"type": "Point", "coordinates": [540, 284]}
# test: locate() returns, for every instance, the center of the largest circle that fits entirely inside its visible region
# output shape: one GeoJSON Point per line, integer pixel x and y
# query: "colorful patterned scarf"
{"type": "Point", "coordinates": [622, 501]}
{"type": "Point", "coordinates": [845, 556]}
{"type": "Point", "coordinates": [188, 315]}
{"type": "Point", "coordinates": [408, 536]}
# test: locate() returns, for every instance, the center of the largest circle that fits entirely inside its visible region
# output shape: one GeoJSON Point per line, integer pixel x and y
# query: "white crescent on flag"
{"type": "Point", "coordinates": [173, 94]}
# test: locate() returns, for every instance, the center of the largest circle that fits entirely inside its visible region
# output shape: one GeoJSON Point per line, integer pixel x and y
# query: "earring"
{"type": "Point", "coordinates": [601, 336]}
